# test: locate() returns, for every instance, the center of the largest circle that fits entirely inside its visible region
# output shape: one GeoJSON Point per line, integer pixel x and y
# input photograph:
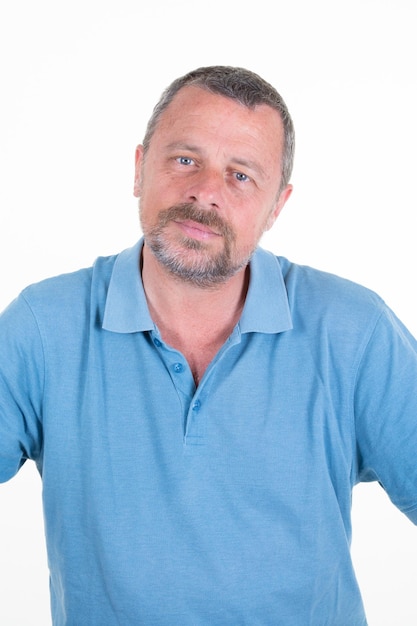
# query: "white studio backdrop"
{"type": "Point", "coordinates": [78, 83]}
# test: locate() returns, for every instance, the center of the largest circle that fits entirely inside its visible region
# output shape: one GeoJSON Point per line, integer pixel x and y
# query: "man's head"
{"type": "Point", "coordinates": [238, 84]}
{"type": "Point", "coordinates": [212, 174]}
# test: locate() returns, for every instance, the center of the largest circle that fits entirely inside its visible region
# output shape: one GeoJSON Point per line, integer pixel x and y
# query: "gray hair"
{"type": "Point", "coordinates": [238, 84]}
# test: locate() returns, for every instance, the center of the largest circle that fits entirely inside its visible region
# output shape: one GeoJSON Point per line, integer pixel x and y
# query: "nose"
{"type": "Point", "coordinates": [206, 189]}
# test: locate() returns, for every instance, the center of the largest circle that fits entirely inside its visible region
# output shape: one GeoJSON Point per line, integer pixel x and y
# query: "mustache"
{"type": "Point", "coordinates": [206, 217]}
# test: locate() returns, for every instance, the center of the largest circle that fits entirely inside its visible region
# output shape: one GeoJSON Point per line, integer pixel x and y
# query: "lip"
{"type": "Point", "coordinates": [196, 230]}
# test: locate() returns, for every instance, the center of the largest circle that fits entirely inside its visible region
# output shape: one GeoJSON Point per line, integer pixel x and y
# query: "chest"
{"type": "Point", "coordinates": [252, 391]}
{"type": "Point", "coordinates": [198, 349]}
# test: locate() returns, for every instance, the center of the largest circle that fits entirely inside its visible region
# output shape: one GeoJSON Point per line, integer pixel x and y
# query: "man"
{"type": "Point", "coordinates": [200, 409]}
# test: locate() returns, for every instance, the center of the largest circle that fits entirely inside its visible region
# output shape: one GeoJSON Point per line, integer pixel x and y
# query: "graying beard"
{"type": "Point", "coordinates": [204, 273]}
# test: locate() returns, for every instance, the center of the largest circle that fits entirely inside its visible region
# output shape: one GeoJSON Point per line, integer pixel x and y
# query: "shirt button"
{"type": "Point", "coordinates": [178, 368]}
{"type": "Point", "coordinates": [157, 343]}
{"type": "Point", "coordinates": [196, 405]}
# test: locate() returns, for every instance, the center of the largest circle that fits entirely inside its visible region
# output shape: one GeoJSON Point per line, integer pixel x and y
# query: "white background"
{"type": "Point", "coordinates": [78, 82]}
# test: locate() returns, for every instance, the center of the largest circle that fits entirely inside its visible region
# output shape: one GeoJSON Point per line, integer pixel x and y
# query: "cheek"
{"type": "Point", "coordinates": [268, 222]}
{"type": "Point", "coordinates": [246, 232]}
{"type": "Point", "coordinates": [158, 193]}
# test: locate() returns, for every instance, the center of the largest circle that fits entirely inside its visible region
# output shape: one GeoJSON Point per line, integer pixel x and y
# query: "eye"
{"type": "Point", "coordinates": [242, 178]}
{"type": "Point", "coordinates": [182, 160]}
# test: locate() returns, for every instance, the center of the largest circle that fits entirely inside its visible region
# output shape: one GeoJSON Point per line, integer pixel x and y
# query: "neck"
{"type": "Point", "coordinates": [191, 319]}
{"type": "Point", "coordinates": [168, 295]}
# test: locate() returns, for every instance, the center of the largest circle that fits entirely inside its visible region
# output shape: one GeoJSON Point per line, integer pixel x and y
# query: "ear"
{"type": "Point", "coordinates": [279, 205]}
{"type": "Point", "coordinates": [137, 185]}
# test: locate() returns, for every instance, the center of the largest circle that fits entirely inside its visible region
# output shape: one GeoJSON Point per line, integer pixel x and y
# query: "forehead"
{"type": "Point", "coordinates": [195, 113]}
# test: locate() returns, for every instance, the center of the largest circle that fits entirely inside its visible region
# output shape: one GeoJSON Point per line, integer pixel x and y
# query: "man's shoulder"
{"type": "Point", "coordinates": [64, 299]}
{"type": "Point", "coordinates": [70, 286]}
{"type": "Point", "coordinates": [323, 295]}
{"type": "Point", "coordinates": [321, 284]}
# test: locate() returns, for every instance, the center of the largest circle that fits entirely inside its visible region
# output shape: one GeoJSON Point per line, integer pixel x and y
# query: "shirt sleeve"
{"type": "Point", "coordinates": [21, 386]}
{"type": "Point", "coordinates": [386, 412]}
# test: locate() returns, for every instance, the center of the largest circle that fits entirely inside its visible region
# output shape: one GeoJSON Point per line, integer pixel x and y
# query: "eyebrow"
{"type": "Point", "coordinates": [181, 145]}
{"type": "Point", "coordinates": [247, 163]}
{"type": "Point", "coordinates": [253, 165]}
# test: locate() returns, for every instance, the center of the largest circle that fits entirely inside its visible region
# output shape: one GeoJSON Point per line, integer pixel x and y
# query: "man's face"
{"type": "Point", "coordinates": [208, 184]}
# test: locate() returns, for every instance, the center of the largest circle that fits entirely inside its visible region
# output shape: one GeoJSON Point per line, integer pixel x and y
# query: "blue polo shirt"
{"type": "Point", "coordinates": [222, 505]}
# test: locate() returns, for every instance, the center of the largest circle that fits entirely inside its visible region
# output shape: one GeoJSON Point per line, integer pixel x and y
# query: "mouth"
{"type": "Point", "coordinates": [196, 230]}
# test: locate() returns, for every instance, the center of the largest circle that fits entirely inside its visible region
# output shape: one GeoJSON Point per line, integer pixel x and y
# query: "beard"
{"type": "Point", "coordinates": [191, 260]}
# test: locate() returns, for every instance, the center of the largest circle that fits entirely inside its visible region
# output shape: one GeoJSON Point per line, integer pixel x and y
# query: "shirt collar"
{"type": "Point", "coordinates": [266, 310]}
{"type": "Point", "coordinates": [126, 309]}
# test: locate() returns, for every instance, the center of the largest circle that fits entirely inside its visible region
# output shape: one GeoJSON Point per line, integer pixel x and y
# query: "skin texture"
{"type": "Point", "coordinates": [208, 188]}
